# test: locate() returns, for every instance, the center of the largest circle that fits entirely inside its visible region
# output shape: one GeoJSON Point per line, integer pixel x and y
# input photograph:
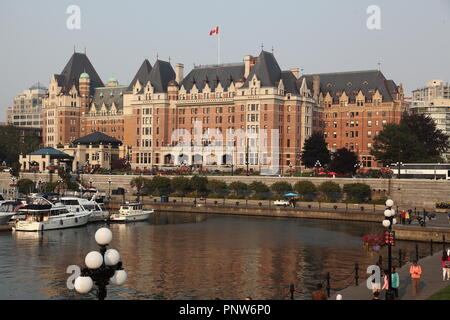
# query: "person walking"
{"type": "Point", "coordinates": [445, 263]}
{"type": "Point", "coordinates": [408, 216]}
{"type": "Point", "coordinates": [395, 281]}
{"type": "Point", "coordinates": [415, 271]}
{"type": "Point", "coordinates": [403, 217]}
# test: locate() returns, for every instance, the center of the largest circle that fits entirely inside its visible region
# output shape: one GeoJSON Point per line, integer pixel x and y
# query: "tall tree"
{"type": "Point", "coordinates": [401, 142]}
{"type": "Point", "coordinates": [343, 161]}
{"type": "Point", "coordinates": [315, 148]}
{"type": "Point", "coordinates": [433, 139]}
{"type": "Point", "coordinates": [15, 141]}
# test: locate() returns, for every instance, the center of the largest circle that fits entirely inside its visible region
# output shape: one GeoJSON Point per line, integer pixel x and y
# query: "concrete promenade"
{"type": "Point", "coordinates": [430, 282]}
{"type": "Point", "coordinates": [436, 230]}
{"type": "Point", "coordinates": [409, 193]}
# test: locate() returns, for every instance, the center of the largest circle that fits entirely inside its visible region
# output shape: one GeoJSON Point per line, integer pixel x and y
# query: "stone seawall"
{"type": "Point", "coordinates": [277, 212]}
{"type": "Point", "coordinates": [413, 233]}
{"type": "Point", "coordinates": [405, 192]}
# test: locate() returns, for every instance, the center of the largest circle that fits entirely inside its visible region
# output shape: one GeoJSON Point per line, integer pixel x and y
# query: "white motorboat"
{"type": "Point", "coordinates": [9, 210]}
{"type": "Point", "coordinates": [43, 215]}
{"type": "Point", "coordinates": [131, 212]}
{"type": "Point", "coordinates": [78, 205]}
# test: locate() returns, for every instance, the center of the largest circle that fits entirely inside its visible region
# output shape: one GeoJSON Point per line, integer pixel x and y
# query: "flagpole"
{"type": "Point", "coordinates": [218, 48]}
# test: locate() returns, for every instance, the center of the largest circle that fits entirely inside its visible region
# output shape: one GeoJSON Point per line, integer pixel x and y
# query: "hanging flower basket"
{"type": "Point", "coordinates": [373, 242]}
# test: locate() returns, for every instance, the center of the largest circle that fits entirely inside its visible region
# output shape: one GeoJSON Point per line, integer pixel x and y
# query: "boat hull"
{"type": "Point", "coordinates": [53, 224]}
{"type": "Point", "coordinates": [99, 216]}
{"type": "Point", "coordinates": [4, 218]}
{"type": "Point", "coordinates": [122, 218]}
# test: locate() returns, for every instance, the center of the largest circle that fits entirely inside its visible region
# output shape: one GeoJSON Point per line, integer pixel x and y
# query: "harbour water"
{"type": "Point", "coordinates": [187, 256]}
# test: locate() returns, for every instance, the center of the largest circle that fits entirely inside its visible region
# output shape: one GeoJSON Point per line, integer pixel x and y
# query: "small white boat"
{"type": "Point", "coordinates": [131, 212]}
{"type": "Point", "coordinates": [44, 215]}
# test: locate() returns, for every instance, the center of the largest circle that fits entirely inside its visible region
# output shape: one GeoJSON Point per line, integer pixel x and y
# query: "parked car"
{"type": "Point", "coordinates": [283, 203]}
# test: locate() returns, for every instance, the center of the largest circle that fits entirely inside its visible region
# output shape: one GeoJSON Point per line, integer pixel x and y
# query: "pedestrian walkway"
{"type": "Point", "coordinates": [430, 282]}
{"type": "Point", "coordinates": [441, 220]}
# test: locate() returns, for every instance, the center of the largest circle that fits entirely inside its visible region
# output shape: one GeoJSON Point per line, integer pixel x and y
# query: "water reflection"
{"type": "Point", "coordinates": [188, 256]}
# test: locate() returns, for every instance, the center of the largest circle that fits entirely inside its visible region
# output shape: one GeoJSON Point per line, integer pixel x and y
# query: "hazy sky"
{"type": "Point", "coordinates": [413, 44]}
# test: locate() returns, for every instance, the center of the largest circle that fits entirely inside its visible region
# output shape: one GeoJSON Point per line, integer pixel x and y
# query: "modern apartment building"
{"type": "Point", "coordinates": [434, 101]}
{"type": "Point", "coordinates": [27, 108]}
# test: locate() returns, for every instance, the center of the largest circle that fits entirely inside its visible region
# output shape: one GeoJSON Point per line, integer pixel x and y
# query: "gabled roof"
{"type": "Point", "coordinates": [54, 154]}
{"type": "Point", "coordinates": [108, 96]}
{"type": "Point", "coordinates": [353, 81]}
{"type": "Point", "coordinates": [143, 75]}
{"type": "Point", "coordinates": [213, 75]}
{"type": "Point", "coordinates": [79, 63]}
{"type": "Point", "coordinates": [160, 76]}
{"type": "Point", "coordinates": [290, 82]}
{"type": "Point", "coordinates": [266, 70]}
{"type": "Point", "coordinates": [97, 138]}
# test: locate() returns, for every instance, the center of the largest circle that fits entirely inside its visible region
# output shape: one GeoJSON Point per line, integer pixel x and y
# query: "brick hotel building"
{"type": "Point", "coordinates": [253, 97]}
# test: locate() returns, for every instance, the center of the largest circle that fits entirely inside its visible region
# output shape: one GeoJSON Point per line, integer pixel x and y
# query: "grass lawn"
{"type": "Point", "coordinates": [444, 294]}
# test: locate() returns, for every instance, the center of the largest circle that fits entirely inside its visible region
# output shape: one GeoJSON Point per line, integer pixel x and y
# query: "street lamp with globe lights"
{"type": "Point", "coordinates": [101, 267]}
{"type": "Point", "coordinates": [317, 166]}
{"type": "Point", "coordinates": [388, 222]}
{"type": "Point", "coordinates": [109, 188]}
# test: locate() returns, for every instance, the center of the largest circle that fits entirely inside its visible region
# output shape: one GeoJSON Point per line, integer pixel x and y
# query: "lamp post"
{"type": "Point", "coordinates": [109, 188]}
{"type": "Point", "coordinates": [435, 170]}
{"type": "Point", "coordinates": [40, 184]}
{"type": "Point", "coordinates": [59, 186]}
{"type": "Point", "coordinates": [317, 165]}
{"type": "Point", "coordinates": [247, 160]}
{"type": "Point", "coordinates": [389, 239]}
{"type": "Point", "coordinates": [399, 165]}
{"type": "Point", "coordinates": [101, 267]}
{"type": "Point", "coordinates": [90, 183]}
{"type": "Point", "coordinates": [14, 186]}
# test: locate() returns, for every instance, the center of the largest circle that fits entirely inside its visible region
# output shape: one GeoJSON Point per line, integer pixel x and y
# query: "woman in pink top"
{"type": "Point", "coordinates": [445, 263]}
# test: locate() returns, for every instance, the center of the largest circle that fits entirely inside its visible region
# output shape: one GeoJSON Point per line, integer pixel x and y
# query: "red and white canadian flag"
{"type": "Point", "coordinates": [214, 31]}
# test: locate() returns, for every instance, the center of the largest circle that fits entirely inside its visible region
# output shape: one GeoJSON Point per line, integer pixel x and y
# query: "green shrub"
{"type": "Point", "coordinates": [181, 185]}
{"type": "Point", "coordinates": [331, 190]}
{"type": "Point", "coordinates": [306, 189]}
{"type": "Point", "coordinates": [359, 192]}
{"type": "Point", "coordinates": [281, 187]}
{"type": "Point", "coordinates": [199, 184]}
{"type": "Point", "coordinates": [443, 205]}
{"type": "Point", "coordinates": [216, 195]}
{"type": "Point", "coordinates": [239, 188]}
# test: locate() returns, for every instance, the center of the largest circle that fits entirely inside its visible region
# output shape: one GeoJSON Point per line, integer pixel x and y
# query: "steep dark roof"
{"type": "Point", "coordinates": [97, 138]}
{"type": "Point", "coordinates": [212, 75]}
{"type": "Point", "coordinates": [54, 154]}
{"type": "Point", "coordinates": [143, 75]}
{"type": "Point", "coordinates": [290, 82]}
{"type": "Point", "coordinates": [161, 74]}
{"type": "Point", "coordinates": [266, 70]}
{"type": "Point", "coordinates": [108, 96]}
{"type": "Point", "coordinates": [368, 81]}
{"type": "Point", "coordinates": [78, 64]}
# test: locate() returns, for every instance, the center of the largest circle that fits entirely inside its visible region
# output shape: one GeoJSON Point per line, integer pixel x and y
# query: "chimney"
{"type": "Point", "coordinates": [296, 72]}
{"type": "Point", "coordinates": [179, 70]}
{"type": "Point", "coordinates": [247, 63]}
{"type": "Point", "coordinates": [316, 85]}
